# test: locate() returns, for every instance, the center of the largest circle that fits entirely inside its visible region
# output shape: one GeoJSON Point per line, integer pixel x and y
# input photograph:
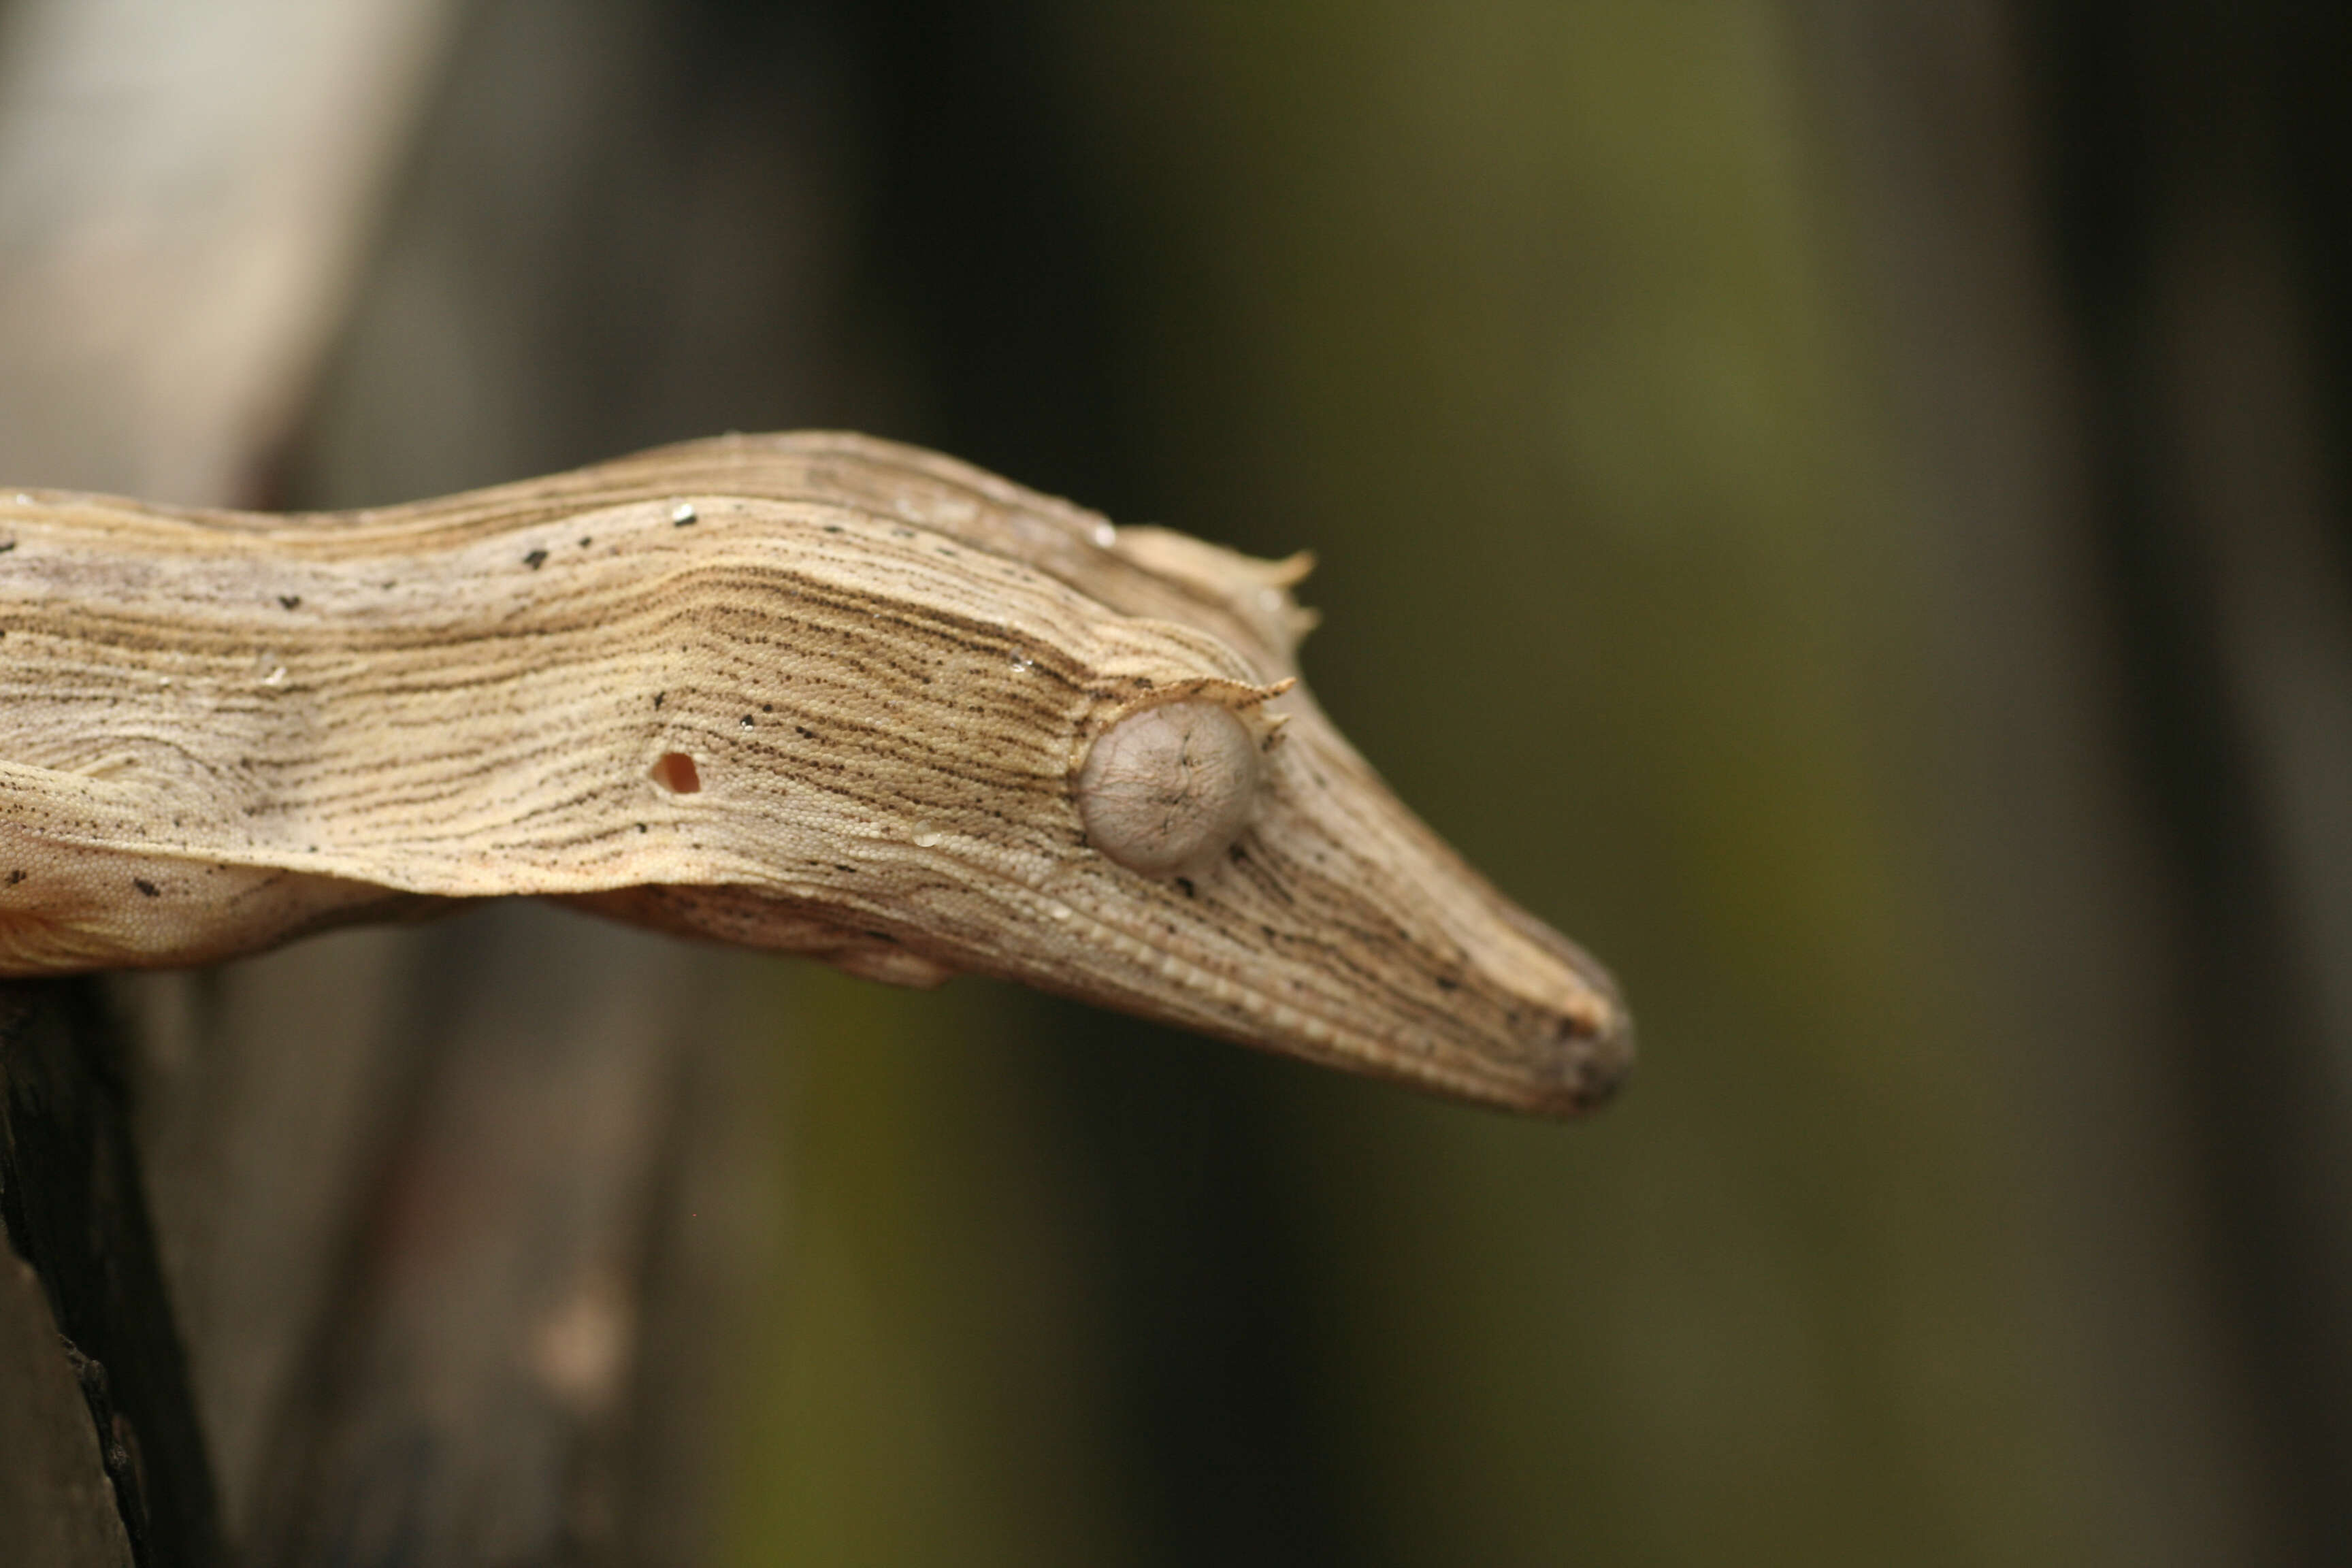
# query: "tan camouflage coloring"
{"type": "Point", "coordinates": [812, 693]}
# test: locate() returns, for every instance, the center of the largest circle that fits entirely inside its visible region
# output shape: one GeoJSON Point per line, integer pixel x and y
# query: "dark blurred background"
{"type": "Point", "coordinates": [1840, 506]}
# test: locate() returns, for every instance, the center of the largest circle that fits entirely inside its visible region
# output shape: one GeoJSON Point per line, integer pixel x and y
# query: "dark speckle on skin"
{"type": "Point", "coordinates": [14, 878]}
{"type": "Point", "coordinates": [805, 732]}
{"type": "Point", "coordinates": [292, 601]}
{"type": "Point", "coordinates": [535, 560]}
{"type": "Point", "coordinates": [1186, 883]}
{"type": "Point", "coordinates": [659, 697]}
{"type": "Point", "coordinates": [145, 886]}
{"type": "Point", "coordinates": [748, 722]}
{"type": "Point", "coordinates": [6, 545]}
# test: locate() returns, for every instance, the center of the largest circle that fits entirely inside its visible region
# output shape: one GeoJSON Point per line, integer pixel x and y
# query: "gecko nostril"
{"type": "Point", "coordinates": [675, 772]}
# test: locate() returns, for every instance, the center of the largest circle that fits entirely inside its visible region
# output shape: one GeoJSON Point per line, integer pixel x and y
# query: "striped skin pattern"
{"type": "Point", "coordinates": [812, 693]}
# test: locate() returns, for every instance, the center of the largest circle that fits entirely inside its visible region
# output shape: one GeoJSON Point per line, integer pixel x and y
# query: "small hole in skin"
{"type": "Point", "coordinates": [675, 772]}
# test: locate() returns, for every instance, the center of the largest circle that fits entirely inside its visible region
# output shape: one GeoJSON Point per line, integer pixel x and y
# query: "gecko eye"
{"type": "Point", "coordinates": [1168, 786]}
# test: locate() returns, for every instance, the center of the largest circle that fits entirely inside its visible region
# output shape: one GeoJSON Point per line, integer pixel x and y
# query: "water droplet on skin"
{"type": "Point", "coordinates": [682, 514]}
{"type": "Point", "coordinates": [275, 677]}
{"type": "Point", "coordinates": [24, 499]}
{"type": "Point", "coordinates": [926, 841]}
{"type": "Point", "coordinates": [1058, 912]}
{"type": "Point", "coordinates": [1104, 536]}
{"type": "Point", "coordinates": [1023, 664]}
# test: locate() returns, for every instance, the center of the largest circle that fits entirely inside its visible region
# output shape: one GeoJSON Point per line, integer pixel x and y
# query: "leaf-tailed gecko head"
{"type": "Point", "coordinates": [1079, 757]}
{"type": "Point", "coordinates": [812, 693]}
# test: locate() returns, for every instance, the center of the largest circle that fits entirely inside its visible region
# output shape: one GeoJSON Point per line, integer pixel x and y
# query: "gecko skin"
{"type": "Point", "coordinates": [812, 693]}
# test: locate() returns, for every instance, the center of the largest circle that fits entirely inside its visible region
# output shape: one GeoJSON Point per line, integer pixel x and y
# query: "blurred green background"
{"type": "Point", "coordinates": [1837, 506]}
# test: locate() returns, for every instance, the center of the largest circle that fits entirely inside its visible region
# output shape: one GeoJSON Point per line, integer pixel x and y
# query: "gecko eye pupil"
{"type": "Point", "coordinates": [1167, 787]}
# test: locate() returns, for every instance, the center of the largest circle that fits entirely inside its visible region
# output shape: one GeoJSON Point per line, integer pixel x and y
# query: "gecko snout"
{"type": "Point", "coordinates": [1588, 1054]}
{"type": "Point", "coordinates": [1576, 1031]}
